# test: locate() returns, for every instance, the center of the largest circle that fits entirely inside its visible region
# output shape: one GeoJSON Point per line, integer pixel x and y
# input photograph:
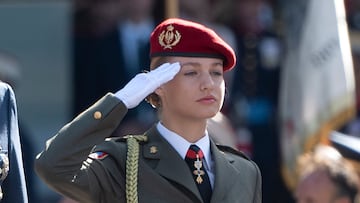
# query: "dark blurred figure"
{"type": "Point", "coordinates": [353, 14]}
{"type": "Point", "coordinates": [12, 176]}
{"type": "Point", "coordinates": [202, 11]}
{"type": "Point", "coordinates": [253, 96]}
{"type": "Point", "coordinates": [110, 47]}
{"type": "Point", "coordinates": [325, 176]}
{"type": "Point", "coordinates": [353, 127]}
{"type": "Point", "coordinates": [10, 74]}
{"type": "Point", "coordinates": [221, 131]}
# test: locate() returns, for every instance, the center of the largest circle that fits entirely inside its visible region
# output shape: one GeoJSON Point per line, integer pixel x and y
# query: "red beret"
{"type": "Point", "coordinates": [177, 37]}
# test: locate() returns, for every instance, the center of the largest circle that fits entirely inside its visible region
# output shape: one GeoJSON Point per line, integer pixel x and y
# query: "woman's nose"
{"type": "Point", "coordinates": [207, 81]}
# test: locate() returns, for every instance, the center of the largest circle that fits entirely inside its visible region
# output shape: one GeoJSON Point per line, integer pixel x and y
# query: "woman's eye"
{"type": "Point", "coordinates": [190, 73]}
{"type": "Point", "coordinates": [217, 73]}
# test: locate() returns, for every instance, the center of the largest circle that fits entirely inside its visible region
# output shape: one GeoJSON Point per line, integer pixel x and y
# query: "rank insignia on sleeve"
{"type": "Point", "coordinates": [98, 155]}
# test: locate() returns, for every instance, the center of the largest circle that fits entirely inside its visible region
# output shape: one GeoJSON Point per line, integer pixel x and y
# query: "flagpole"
{"type": "Point", "coordinates": [171, 8]}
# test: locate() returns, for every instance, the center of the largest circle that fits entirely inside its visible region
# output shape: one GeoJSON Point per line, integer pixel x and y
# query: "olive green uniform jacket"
{"type": "Point", "coordinates": [163, 176]}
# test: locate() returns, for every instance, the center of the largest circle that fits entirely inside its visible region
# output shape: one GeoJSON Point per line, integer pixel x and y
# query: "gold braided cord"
{"type": "Point", "coordinates": [132, 164]}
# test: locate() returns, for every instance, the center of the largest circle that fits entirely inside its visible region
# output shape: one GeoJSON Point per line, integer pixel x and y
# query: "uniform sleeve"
{"type": "Point", "coordinates": [63, 164]}
{"type": "Point", "coordinates": [107, 164]}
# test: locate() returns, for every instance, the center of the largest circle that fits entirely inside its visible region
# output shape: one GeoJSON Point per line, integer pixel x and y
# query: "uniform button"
{"type": "Point", "coordinates": [97, 115]}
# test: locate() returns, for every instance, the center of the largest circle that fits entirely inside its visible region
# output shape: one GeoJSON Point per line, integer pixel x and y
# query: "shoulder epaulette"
{"type": "Point", "coordinates": [139, 138]}
{"type": "Point", "coordinates": [233, 151]}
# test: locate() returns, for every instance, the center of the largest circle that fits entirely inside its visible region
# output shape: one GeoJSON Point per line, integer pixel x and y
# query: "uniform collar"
{"type": "Point", "coordinates": [166, 161]}
{"type": "Point", "coordinates": [181, 145]}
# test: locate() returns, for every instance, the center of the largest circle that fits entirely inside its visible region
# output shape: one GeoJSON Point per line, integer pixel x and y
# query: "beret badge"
{"type": "Point", "coordinates": [169, 37]}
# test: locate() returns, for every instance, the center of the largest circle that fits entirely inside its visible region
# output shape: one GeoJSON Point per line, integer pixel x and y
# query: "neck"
{"type": "Point", "coordinates": [191, 130]}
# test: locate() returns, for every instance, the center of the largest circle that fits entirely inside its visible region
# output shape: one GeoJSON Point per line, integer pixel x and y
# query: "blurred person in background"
{"type": "Point", "coordinates": [203, 11]}
{"type": "Point", "coordinates": [325, 176]}
{"type": "Point", "coordinates": [254, 91]}
{"type": "Point", "coordinates": [252, 106]}
{"type": "Point", "coordinates": [221, 131]}
{"type": "Point", "coordinates": [353, 14]}
{"type": "Point", "coordinates": [12, 177]}
{"type": "Point", "coordinates": [110, 44]}
{"type": "Point", "coordinates": [10, 74]}
{"type": "Point", "coordinates": [353, 127]}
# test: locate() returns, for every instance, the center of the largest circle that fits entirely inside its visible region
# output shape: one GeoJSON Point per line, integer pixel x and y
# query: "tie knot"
{"type": "Point", "coordinates": [194, 152]}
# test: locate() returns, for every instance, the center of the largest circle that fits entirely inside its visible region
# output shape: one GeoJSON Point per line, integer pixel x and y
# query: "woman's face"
{"type": "Point", "coordinates": [197, 91]}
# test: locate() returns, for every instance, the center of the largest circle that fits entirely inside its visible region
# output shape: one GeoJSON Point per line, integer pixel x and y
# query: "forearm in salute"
{"type": "Point", "coordinates": [64, 164]}
{"type": "Point", "coordinates": [64, 154]}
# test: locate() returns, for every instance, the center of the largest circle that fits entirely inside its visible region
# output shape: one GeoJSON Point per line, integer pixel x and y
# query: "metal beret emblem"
{"type": "Point", "coordinates": [169, 37]}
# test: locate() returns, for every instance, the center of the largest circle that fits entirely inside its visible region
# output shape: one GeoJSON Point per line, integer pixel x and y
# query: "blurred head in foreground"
{"type": "Point", "coordinates": [325, 176]}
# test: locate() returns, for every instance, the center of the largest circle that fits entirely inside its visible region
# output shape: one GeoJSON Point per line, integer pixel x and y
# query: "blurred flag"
{"type": "Point", "coordinates": [317, 92]}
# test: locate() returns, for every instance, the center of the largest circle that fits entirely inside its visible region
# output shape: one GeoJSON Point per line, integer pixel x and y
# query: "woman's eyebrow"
{"type": "Point", "coordinates": [190, 64]}
{"type": "Point", "coordinates": [197, 64]}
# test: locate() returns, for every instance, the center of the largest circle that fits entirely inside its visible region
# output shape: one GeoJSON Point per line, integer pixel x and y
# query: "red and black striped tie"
{"type": "Point", "coordinates": [194, 158]}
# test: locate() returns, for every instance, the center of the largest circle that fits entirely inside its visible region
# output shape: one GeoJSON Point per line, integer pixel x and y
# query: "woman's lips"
{"type": "Point", "coordinates": [207, 100]}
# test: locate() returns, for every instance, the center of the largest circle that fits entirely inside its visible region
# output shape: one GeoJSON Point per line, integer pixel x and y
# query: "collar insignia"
{"type": "Point", "coordinates": [153, 150]}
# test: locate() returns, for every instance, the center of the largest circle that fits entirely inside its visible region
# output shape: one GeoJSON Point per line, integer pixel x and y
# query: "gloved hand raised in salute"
{"type": "Point", "coordinates": [143, 84]}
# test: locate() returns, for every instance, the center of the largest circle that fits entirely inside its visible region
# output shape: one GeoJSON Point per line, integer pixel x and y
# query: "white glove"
{"type": "Point", "coordinates": [143, 84]}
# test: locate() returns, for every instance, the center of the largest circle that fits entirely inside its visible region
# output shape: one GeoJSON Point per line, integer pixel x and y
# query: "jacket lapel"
{"type": "Point", "coordinates": [224, 174]}
{"type": "Point", "coordinates": [169, 164]}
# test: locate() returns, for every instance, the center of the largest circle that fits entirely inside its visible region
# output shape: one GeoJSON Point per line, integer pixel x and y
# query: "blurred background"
{"type": "Point", "coordinates": [61, 56]}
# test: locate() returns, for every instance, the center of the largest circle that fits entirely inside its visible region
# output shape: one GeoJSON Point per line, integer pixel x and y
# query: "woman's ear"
{"type": "Point", "coordinates": [154, 100]}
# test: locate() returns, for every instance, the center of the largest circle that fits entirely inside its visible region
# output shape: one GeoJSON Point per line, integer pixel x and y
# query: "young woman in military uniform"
{"type": "Point", "coordinates": [187, 87]}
